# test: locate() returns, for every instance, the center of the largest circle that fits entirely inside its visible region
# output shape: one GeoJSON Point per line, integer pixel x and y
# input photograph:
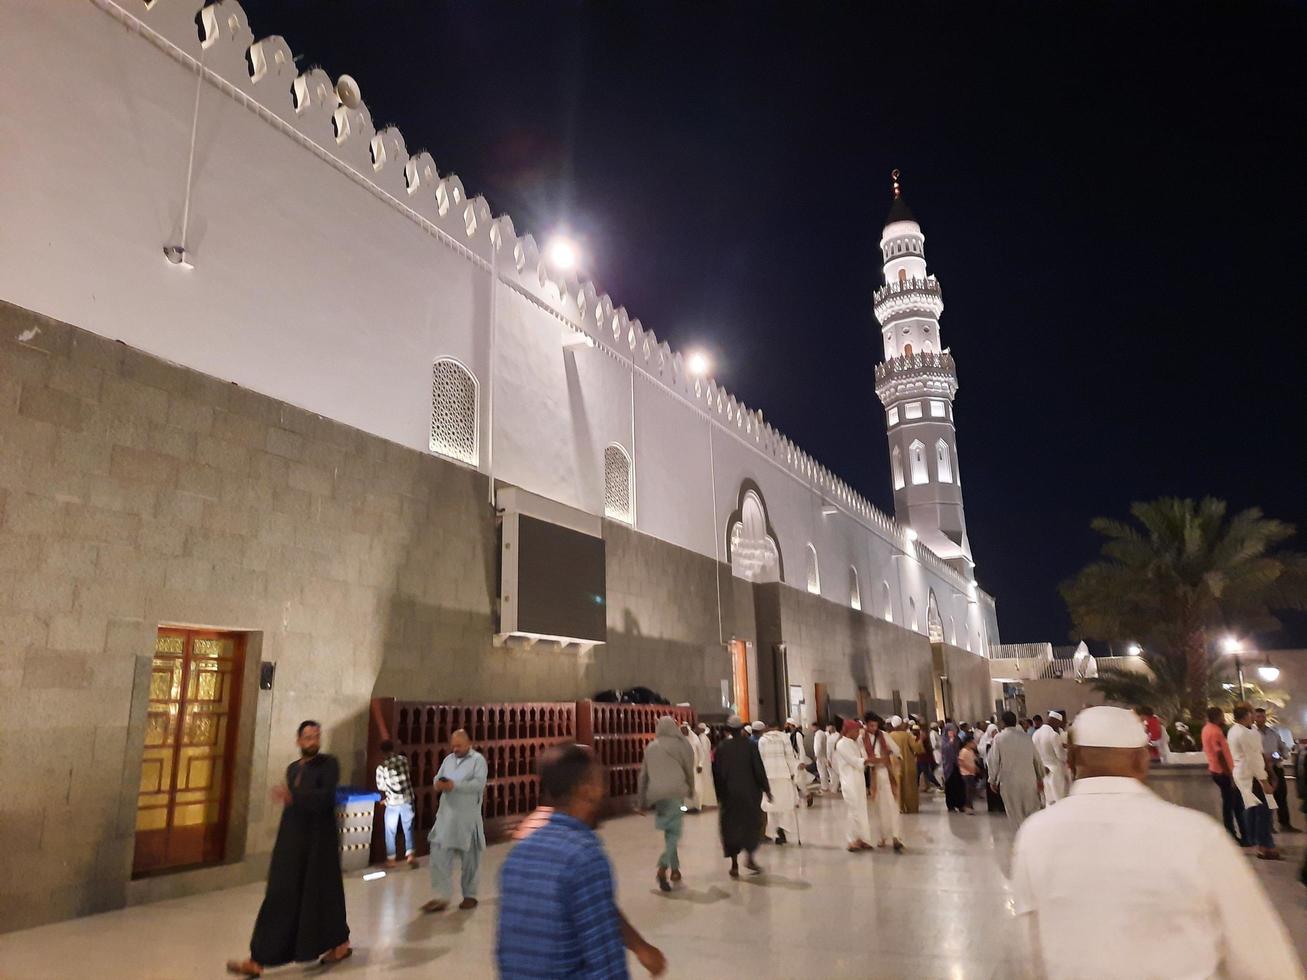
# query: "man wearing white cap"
{"type": "Point", "coordinates": [1162, 893]}
{"type": "Point", "coordinates": [703, 784]}
{"type": "Point", "coordinates": [1050, 743]}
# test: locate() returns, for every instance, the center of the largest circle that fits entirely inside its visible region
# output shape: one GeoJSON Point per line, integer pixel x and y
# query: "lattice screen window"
{"type": "Point", "coordinates": [617, 485]}
{"type": "Point", "coordinates": [454, 411]}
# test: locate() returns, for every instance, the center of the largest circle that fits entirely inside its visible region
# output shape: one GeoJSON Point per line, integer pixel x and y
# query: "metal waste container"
{"type": "Point", "coordinates": [354, 810]}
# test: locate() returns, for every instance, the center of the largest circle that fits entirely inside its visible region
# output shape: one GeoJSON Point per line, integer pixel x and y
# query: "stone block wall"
{"type": "Point", "coordinates": [845, 649]}
{"type": "Point", "coordinates": [135, 493]}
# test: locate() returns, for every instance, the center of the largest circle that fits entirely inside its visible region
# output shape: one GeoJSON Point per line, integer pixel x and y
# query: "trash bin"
{"type": "Point", "coordinates": [354, 810]}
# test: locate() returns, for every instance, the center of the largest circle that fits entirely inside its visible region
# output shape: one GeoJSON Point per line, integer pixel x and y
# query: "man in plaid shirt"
{"type": "Point", "coordinates": [394, 781]}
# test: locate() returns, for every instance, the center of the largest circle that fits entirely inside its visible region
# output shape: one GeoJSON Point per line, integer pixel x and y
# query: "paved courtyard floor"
{"type": "Point", "coordinates": [942, 909]}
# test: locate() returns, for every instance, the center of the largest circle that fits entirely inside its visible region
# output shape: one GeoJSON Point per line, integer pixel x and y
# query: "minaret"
{"type": "Point", "coordinates": [916, 383]}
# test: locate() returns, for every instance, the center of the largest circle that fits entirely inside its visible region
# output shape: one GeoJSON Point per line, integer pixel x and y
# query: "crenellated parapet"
{"type": "Point", "coordinates": [260, 74]}
{"type": "Point", "coordinates": [915, 375]}
{"type": "Point", "coordinates": [908, 297]}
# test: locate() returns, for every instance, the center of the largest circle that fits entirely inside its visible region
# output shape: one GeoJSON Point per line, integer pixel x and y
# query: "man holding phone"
{"type": "Point", "coordinates": [458, 831]}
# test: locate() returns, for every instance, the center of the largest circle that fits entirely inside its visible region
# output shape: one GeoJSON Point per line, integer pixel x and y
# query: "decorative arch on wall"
{"type": "Point", "coordinates": [913, 623]}
{"type": "Point", "coordinates": [752, 547]}
{"type": "Point", "coordinates": [917, 462]}
{"type": "Point", "coordinates": [896, 466]}
{"type": "Point", "coordinates": [855, 591]}
{"type": "Point", "coordinates": [886, 602]}
{"type": "Point", "coordinates": [943, 461]}
{"type": "Point", "coordinates": [934, 624]}
{"type": "Point", "coordinates": [619, 492]}
{"type": "Point", "coordinates": [814, 572]}
{"type": "Point", "coordinates": [455, 411]}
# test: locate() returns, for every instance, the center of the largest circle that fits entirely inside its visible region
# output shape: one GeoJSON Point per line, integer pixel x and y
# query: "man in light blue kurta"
{"type": "Point", "coordinates": [459, 831]}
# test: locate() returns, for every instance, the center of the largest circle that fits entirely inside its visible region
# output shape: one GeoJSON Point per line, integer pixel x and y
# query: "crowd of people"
{"type": "Point", "coordinates": [1191, 910]}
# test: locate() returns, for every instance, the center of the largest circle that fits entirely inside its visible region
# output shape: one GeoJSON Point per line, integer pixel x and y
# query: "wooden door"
{"type": "Point", "coordinates": [740, 677]}
{"type": "Point", "coordinates": [190, 738]}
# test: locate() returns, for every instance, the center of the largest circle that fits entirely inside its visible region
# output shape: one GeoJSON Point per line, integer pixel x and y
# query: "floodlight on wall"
{"type": "Point", "coordinates": [1134, 649]}
{"type": "Point", "coordinates": [347, 90]}
{"type": "Point", "coordinates": [178, 256]}
{"type": "Point", "coordinates": [1268, 672]}
{"type": "Point", "coordinates": [698, 364]}
{"type": "Point", "coordinates": [829, 510]}
{"type": "Point", "coordinates": [563, 253]}
{"type": "Point", "coordinates": [1230, 644]}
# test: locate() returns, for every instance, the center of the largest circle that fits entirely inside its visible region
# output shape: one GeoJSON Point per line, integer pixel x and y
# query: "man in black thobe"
{"type": "Point", "coordinates": [741, 783]}
{"type": "Point", "coordinates": [303, 913]}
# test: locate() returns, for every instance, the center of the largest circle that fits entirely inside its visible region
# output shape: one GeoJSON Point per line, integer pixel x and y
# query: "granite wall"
{"type": "Point", "coordinates": [135, 493]}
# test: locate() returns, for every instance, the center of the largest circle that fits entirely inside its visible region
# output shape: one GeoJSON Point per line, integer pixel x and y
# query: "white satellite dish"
{"type": "Point", "coordinates": [347, 90]}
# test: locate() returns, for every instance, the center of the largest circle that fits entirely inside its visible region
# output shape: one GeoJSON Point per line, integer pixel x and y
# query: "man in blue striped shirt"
{"type": "Point", "coordinates": [558, 914]}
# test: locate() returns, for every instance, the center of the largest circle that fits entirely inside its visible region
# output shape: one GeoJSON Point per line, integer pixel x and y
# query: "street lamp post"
{"type": "Point", "coordinates": [1232, 646]}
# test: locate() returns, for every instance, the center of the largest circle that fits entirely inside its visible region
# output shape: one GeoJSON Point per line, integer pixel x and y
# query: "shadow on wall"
{"type": "Point", "coordinates": [860, 657]}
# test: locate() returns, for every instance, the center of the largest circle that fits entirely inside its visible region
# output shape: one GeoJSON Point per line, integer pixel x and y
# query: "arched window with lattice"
{"type": "Point", "coordinates": [454, 411]}
{"type": "Point", "coordinates": [619, 496]}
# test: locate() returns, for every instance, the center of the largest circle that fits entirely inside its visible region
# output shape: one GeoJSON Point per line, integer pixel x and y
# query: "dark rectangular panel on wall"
{"type": "Point", "coordinates": [561, 587]}
{"type": "Point", "coordinates": [771, 646]}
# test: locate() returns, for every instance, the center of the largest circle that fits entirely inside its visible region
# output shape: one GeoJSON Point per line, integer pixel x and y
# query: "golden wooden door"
{"type": "Point", "coordinates": [190, 737]}
{"type": "Point", "coordinates": [740, 677]}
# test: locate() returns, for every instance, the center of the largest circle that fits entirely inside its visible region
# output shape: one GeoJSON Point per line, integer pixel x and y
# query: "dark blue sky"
{"type": "Point", "coordinates": [1113, 198]}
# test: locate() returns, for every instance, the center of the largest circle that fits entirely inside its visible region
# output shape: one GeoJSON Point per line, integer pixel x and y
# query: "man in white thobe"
{"type": "Point", "coordinates": [1050, 743]}
{"type": "Point", "coordinates": [695, 803]}
{"type": "Point", "coordinates": [823, 757]}
{"type": "Point", "coordinates": [782, 766]}
{"type": "Point", "coordinates": [1161, 892]}
{"type": "Point", "coordinates": [704, 789]}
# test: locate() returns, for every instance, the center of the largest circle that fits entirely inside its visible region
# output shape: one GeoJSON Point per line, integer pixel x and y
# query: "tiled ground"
{"type": "Point", "coordinates": [940, 910]}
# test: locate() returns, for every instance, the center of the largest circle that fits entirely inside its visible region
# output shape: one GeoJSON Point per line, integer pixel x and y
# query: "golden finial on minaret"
{"type": "Point", "coordinates": [898, 191]}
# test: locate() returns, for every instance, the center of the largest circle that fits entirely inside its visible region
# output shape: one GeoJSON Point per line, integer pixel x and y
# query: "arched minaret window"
{"type": "Point", "coordinates": [454, 409]}
{"type": "Point", "coordinates": [912, 615]}
{"type": "Point", "coordinates": [943, 462]}
{"type": "Point", "coordinates": [917, 459]}
{"type": "Point", "coordinates": [617, 485]}
{"type": "Point", "coordinates": [896, 463]}
{"type": "Point", "coordinates": [903, 277]}
{"type": "Point", "coordinates": [907, 350]}
{"type": "Point", "coordinates": [814, 576]}
{"type": "Point", "coordinates": [855, 593]}
{"type": "Point", "coordinates": [887, 604]}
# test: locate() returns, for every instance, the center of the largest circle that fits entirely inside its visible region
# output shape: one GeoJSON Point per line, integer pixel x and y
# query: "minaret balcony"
{"type": "Point", "coordinates": [895, 299]}
{"type": "Point", "coordinates": [916, 375]}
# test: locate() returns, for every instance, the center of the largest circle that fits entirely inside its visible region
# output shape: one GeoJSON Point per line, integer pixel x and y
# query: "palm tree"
{"type": "Point", "coordinates": [1180, 572]}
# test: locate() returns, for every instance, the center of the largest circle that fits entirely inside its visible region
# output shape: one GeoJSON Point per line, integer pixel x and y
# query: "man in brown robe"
{"type": "Point", "coordinates": [909, 749]}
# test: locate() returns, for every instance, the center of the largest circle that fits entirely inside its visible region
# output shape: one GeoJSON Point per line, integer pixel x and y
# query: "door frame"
{"type": "Point", "coordinates": [231, 749]}
{"type": "Point", "coordinates": [740, 677]}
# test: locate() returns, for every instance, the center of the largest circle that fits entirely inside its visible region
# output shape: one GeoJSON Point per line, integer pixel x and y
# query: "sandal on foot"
{"type": "Point", "coordinates": [244, 968]}
{"type": "Point", "coordinates": [326, 959]}
{"type": "Point", "coordinates": [435, 905]}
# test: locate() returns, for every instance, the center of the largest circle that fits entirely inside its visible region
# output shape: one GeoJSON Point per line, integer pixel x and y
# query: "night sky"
{"type": "Point", "coordinates": [1113, 198]}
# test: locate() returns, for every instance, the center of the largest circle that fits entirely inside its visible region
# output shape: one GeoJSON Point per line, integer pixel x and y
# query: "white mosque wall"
{"type": "Point", "coordinates": [331, 269]}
